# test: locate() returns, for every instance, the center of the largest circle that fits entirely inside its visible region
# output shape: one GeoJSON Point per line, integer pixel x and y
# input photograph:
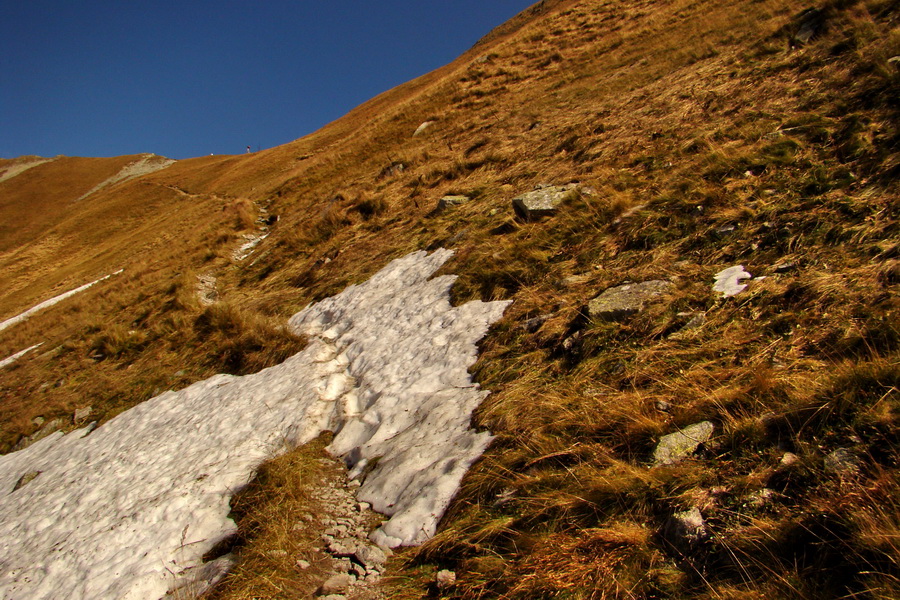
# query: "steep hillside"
{"type": "Point", "coordinates": [701, 135]}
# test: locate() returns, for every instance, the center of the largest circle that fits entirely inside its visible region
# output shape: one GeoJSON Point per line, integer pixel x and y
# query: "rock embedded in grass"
{"type": "Point", "coordinates": [623, 301]}
{"type": "Point", "coordinates": [451, 201]}
{"type": "Point", "coordinates": [542, 202]}
{"type": "Point", "coordinates": [677, 446]}
{"type": "Point", "coordinates": [686, 528]}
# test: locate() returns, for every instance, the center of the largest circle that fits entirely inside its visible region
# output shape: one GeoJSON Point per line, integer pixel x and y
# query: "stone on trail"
{"type": "Point", "coordinates": [543, 201]}
{"type": "Point", "coordinates": [625, 300]}
{"type": "Point", "coordinates": [335, 585]}
{"type": "Point", "coordinates": [728, 281]}
{"type": "Point", "coordinates": [451, 201]}
{"type": "Point", "coordinates": [679, 445]}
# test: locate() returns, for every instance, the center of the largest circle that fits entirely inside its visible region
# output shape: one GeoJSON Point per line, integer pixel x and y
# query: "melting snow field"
{"type": "Point", "coordinates": [126, 510]}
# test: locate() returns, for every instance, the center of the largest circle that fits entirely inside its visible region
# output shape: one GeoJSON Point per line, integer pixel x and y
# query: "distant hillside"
{"type": "Point", "coordinates": [694, 136]}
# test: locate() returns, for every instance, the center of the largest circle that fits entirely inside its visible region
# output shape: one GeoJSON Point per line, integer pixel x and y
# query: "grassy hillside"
{"type": "Point", "coordinates": [703, 135]}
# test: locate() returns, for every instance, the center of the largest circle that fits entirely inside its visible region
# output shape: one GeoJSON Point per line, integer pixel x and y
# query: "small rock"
{"type": "Point", "coordinates": [842, 461]}
{"type": "Point", "coordinates": [534, 323]}
{"type": "Point", "coordinates": [445, 579]}
{"type": "Point", "coordinates": [686, 528]}
{"type": "Point", "coordinates": [677, 446]}
{"type": "Point", "coordinates": [696, 322]}
{"type": "Point", "coordinates": [625, 300]}
{"type": "Point", "coordinates": [810, 23]}
{"type": "Point", "coordinates": [728, 281]}
{"type": "Point", "coordinates": [789, 460]}
{"type": "Point", "coordinates": [370, 555]}
{"type": "Point", "coordinates": [38, 421]}
{"type": "Point", "coordinates": [26, 479]}
{"type": "Point", "coordinates": [784, 267]}
{"type": "Point", "coordinates": [451, 201]}
{"type": "Point", "coordinates": [334, 597]}
{"type": "Point", "coordinates": [662, 405]}
{"type": "Point", "coordinates": [542, 202]}
{"type": "Point", "coordinates": [82, 413]}
{"type": "Point", "coordinates": [421, 128]}
{"type": "Point", "coordinates": [303, 564]}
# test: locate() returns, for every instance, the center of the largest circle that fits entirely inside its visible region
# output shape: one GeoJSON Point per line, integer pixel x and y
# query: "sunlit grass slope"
{"type": "Point", "coordinates": [704, 135]}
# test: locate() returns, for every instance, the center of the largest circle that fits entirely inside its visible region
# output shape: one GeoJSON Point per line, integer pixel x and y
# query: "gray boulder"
{"type": "Point", "coordinates": [677, 446]}
{"type": "Point", "coordinates": [335, 585]}
{"type": "Point", "coordinates": [543, 201]}
{"type": "Point", "coordinates": [625, 300]}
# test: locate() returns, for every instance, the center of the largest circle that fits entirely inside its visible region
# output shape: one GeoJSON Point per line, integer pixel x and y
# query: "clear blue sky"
{"type": "Point", "coordinates": [193, 77]}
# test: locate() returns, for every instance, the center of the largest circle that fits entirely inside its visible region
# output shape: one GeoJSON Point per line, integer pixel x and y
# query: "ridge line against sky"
{"type": "Point", "coordinates": [185, 79]}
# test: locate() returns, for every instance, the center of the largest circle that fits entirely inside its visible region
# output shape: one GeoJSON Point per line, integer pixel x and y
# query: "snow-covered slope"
{"type": "Point", "coordinates": [123, 511]}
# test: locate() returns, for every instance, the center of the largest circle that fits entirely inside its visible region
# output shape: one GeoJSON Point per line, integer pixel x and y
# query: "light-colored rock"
{"type": "Point", "coordinates": [789, 460]}
{"type": "Point", "coordinates": [542, 202]}
{"type": "Point", "coordinates": [335, 584]}
{"type": "Point", "coordinates": [370, 555]}
{"type": "Point", "coordinates": [728, 281]}
{"type": "Point", "coordinates": [451, 201]}
{"type": "Point", "coordinates": [445, 579]}
{"type": "Point", "coordinates": [681, 444]}
{"type": "Point", "coordinates": [82, 413]}
{"type": "Point", "coordinates": [303, 564]}
{"type": "Point", "coordinates": [625, 300]}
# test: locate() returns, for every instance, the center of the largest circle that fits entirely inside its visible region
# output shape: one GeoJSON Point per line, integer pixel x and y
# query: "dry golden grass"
{"type": "Point", "coordinates": [707, 141]}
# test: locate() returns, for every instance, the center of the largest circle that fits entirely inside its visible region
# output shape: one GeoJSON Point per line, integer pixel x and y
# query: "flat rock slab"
{"type": "Point", "coordinates": [451, 201]}
{"type": "Point", "coordinates": [728, 281]}
{"type": "Point", "coordinates": [625, 300]}
{"type": "Point", "coordinates": [677, 446]}
{"type": "Point", "coordinates": [542, 202]}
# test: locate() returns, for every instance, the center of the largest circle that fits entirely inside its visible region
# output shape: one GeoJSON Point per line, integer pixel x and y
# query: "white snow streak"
{"type": "Point", "coordinates": [11, 359]}
{"type": "Point", "coordinates": [20, 167]}
{"type": "Point", "coordinates": [48, 303]}
{"type": "Point", "coordinates": [115, 513]}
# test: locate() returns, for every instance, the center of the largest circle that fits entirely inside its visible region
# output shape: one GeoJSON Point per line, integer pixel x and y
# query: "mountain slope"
{"type": "Point", "coordinates": [704, 136]}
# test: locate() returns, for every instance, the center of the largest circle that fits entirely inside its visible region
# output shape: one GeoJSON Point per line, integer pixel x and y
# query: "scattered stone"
{"type": "Point", "coordinates": [38, 421]}
{"type": "Point", "coordinates": [335, 584]}
{"type": "Point", "coordinates": [789, 460]}
{"type": "Point", "coordinates": [445, 579]}
{"type": "Point", "coordinates": [677, 446]}
{"type": "Point", "coordinates": [810, 22]}
{"type": "Point", "coordinates": [421, 128]}
{"type": "Point", "coordinates": [784, 267]}
{"type": "Point", "coordinates": [663, 406]}
{"type": "Point", "coordinates": [842, 461]}
{"type": "Point", "coordinates": [542, 202]}
{"type": "Point", "coordinates": [451, 201]}
{"type": "Point", "coordinates": [206, 290]}
{"type": "Point", "coordinates": [82, 413]}
{"type": "Point", "coordinates": [686, 528]}
{"type": "Point", "coordinates": [26, 479]}
{"type": "Point", "coordinates": [48, 427]}
{"type": "Point", "coordinates": [696, 322]}
{"type": "Point", "coordinates": [534, 323]}
{"type": "Point", "coordinates": [620, 302]}
{"type": "Point", "coordinates": [363, 506]}
{"type": "Point", "coordinates": [370, 555]}
{"type": "Point", "coordinates": [303, 564]}
{"type": "Point", "coordinates": [725, 230]}
{"type": "Point", "coordinates": [728, 281]}
{"type": "Point", "coordinates": [334, 597]}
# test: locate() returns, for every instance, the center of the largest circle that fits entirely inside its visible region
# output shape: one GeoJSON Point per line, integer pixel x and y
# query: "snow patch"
{"type": "Point", "coordinates": [48, 303]}
{"type": "Point", "coordinates": [129, 510]}
{"type": "Point", "coordinates": [11, 359]}
{"type": "Point", "coordinates": [728, 281]}
{"type": "Point", "coordinates": [148, 163]}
